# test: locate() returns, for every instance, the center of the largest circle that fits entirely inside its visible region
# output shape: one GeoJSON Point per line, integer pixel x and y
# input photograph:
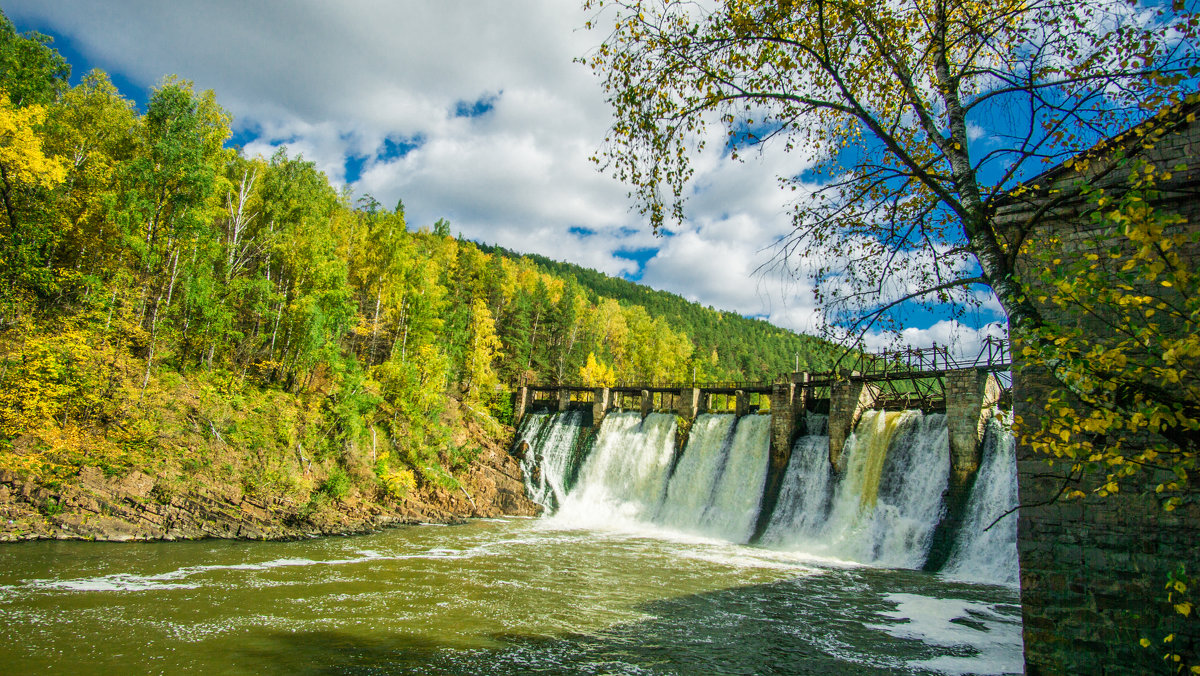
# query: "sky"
{"type": "Point", "coordinates": [475, 112]}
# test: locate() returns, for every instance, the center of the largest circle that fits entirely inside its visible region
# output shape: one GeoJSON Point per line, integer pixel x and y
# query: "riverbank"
{"type": "Point", "coordinates": [137, 506]}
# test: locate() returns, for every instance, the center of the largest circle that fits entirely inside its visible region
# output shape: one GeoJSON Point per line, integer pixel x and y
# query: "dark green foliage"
{"type": "Point", "coordinates": [747, 348]}
{"type": "Point", "coordinates": [337, 484]}
{"type": "Point", "coordinates": [31, 71]}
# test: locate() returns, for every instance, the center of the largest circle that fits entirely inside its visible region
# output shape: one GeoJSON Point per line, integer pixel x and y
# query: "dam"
{"type": "Point", "coordinates": [852, 467]}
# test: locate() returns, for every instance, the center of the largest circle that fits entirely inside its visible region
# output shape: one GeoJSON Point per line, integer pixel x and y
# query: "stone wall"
{"type": "Point", "coordinates": [1093, 570]}
{"type": "Point", "coordinates": [848, 399]}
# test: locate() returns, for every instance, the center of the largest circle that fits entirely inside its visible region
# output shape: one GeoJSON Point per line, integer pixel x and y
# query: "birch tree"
{"type": "Point", "coordinates": [916, 113]}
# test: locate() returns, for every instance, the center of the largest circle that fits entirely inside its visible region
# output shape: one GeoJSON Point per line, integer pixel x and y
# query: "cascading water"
{"type": "Point", "coordinates": [984, 551]}
{"type": "Point", "coordinates": [625, 476]}
{"type": "Point", "coordinates": [733, 508]}
{"type": "Point", "coordinates": [909, 503]}
{"type": "Point", "coordinates": [552, 455]}
{"type": "Point", "coordinates": [805, 498]}
{"type": "Point", "coordinates": [884, 504]}
{"type": "Point", "coordinates": [694, 479]}
{"type": "Point", "coordinates": [881, 506]}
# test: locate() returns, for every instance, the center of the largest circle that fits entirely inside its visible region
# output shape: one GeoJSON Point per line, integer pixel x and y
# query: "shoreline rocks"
{"type": "Point", "coordinates": [136, 506]}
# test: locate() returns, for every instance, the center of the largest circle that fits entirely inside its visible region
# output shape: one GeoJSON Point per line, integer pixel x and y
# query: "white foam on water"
{"type": "Point", "coordinates": [748, 560]}
{"type": "Point", "coordinates": [970, 626]}
{"type": "Point", "coordinates": [121, 582]}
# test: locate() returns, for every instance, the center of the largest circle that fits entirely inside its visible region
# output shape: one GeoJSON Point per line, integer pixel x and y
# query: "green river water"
{"type": "Point", "coordinates": [489, 597]}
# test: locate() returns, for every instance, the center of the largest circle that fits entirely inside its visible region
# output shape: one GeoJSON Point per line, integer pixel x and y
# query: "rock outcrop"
{"type": "Point", "coordinates": [137, 506]}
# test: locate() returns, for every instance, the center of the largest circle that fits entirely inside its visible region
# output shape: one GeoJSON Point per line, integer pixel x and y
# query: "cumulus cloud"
{"type": "Point", "coordinates": [962, 340]}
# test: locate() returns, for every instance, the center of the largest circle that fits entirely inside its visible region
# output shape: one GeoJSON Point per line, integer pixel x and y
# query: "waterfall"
{"type": "Point", "coordinates": [805, 496]}
{"type": "Point", "coordinates": [733, 508]}
{"type": "Point", "coordinates": [552, 456]}
{"type": "Point", "coordinates": [695, 476]}
{"type": "Point", "coordinates": [881, 506]}
{"type": "Point", "coordinates": [909, 503]}
{"type": "Point", "coordinates": [624, 477]}
{"type": "Point", "coordinates": [983, 550]}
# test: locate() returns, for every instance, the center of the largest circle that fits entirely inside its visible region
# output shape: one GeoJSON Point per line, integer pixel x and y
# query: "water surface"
{"type": "Point", "coordinates": [505, 596]}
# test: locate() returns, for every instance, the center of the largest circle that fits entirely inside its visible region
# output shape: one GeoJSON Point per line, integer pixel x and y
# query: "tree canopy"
{"type": "Point", "coordinates": [916, 114]}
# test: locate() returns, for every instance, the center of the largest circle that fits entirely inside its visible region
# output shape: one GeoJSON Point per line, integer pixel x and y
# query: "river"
{"type": "Point", "coordinates": [489, 597]}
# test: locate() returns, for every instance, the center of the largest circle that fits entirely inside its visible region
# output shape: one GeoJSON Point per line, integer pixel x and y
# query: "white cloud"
{"type": "Point", "coordinates": [962, 340]}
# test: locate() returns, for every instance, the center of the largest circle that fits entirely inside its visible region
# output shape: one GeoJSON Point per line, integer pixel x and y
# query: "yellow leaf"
{"type": "Point", "coordinates": [1184, 608]}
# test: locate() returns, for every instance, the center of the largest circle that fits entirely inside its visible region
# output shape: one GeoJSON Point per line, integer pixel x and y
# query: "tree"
{"type": "Point", "coordinates": [888, 100]}
{"type": "Point", "coordinates": [168, 193]}
{"type": "Point", "coordinates": [596, 373]}
{"type": "Point", "coordinates": [484, 347]}
{"type": "Point", "coordinates": [91, 128]}
{"type": "Point", "coordinates": [24, 168]}
{"type": "Point", "coordinates": [31, 71]}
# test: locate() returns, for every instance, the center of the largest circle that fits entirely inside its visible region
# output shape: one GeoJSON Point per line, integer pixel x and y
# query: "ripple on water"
{"type": "Point", "coordinates": [549, 600]}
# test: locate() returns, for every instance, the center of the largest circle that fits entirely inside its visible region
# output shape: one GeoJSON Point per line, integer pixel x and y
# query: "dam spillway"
{"type": "Point", "coordinates": [882, 503]}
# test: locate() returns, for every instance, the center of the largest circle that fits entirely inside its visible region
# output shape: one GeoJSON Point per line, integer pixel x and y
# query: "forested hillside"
{"type": "Point", "coordinates": [746, 348]}
{"type": "Point", "coordinates": [171, 305]}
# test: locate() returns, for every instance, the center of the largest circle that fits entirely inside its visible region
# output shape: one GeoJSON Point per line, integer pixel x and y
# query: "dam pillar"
{"type": "Point", "coordinates": [600, 404]}
{"type": "Point", "coordinates": [783, 421]}
{"type": "Point", "coordinates": [783, 433]}
{"type": "Point", "coordinates": [801, 400]}
{"type": "Point", "coordinates": [647, 403]}
{"type": "Point", "coordinates": [742, 403]}
{"type": "Point", "coordinates": [971, 396]}
{"type": "Point", "coordinates": [520, 403]}
{"type": "Point", "coordinates": [564, 400]}
{"type": "Point", "coordinates": [688, 406]}
{"type": "Point", "coordinates": [800, 393]}
{"type": "Point", "coordinates": [848, 398]}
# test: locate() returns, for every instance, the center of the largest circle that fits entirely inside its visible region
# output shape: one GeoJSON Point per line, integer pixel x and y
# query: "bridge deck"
{"type": "Point", "coordinates": [925, 364]}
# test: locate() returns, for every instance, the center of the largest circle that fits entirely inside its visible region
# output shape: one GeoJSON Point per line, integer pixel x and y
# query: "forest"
{"type": "Point", "coordinates": [172, 305]}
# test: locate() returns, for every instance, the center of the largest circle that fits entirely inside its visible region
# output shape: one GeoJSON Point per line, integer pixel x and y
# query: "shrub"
{"type": "Point", "coordinates": [337, 484]}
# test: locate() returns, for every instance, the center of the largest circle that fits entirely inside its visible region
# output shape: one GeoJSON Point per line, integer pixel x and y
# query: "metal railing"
{"type": "Point", "coordinates": [905, 364]}
{"type": "Point", "coordinates": [994, 355]}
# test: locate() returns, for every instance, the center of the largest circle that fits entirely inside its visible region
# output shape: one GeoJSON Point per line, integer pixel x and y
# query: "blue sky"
{"type": "Point", "coordinates": [472, 112]}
